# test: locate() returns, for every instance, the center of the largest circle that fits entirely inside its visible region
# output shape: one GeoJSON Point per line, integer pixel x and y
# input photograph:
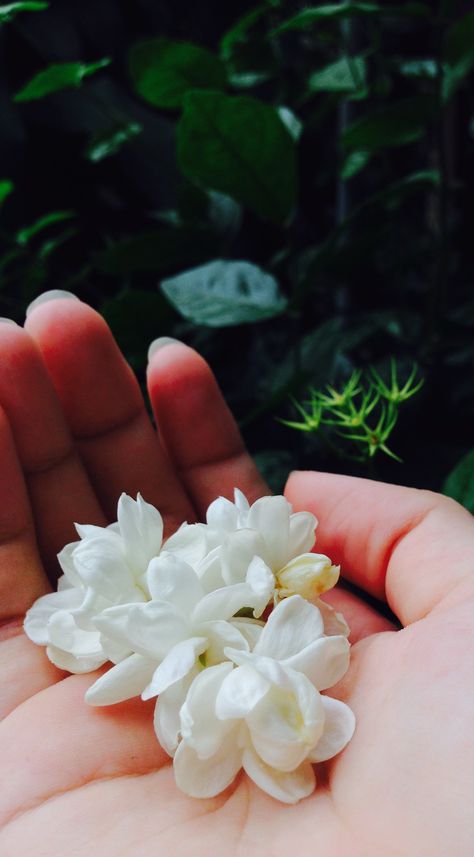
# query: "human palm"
{"type": "Point", "coordinates": [73, 435]}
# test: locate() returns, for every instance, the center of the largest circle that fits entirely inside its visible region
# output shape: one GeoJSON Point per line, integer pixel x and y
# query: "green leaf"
{"type": "Point", "coordinates": [6, 188]}
{"type": "Point", "coordinates": [224, 293]}
{"type": "Point", "coordinates": [158, 251]}
{"type": "Point", "coordinates": [395, 125]}
{"type": "Point", "coordinates": [25, 235]}
{"type": "Point", "coordinates": [347, 75]}
{"type": "Point", "coordinates": [57, 77]}
{"type": "Point", "coordinates": [335, 11]}
{"type": "Point", "coordinates": [460, 483]}
{"type": "Point", "coordinates": [458, 54]}
{"type": "Point", "coordinates": [164, 71]}
{"type": "Point", "coordinates": [354, 163]}
{"type": "Point", "coordinates": [8, 12]}
{"type": "Point", "coordinates": [239, 146]}
{"type": "Point", "coordinates": [109, 142]}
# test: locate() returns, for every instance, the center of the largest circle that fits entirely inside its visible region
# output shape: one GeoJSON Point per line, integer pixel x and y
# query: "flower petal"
{"type": "Point", "coordinates": [200, 727]}
{"type": "Point", "coordinates": [308, 575]}
{"type": "Point", "coordinates": [324, 662]}
{"type": "Point", "coordinates": [286, 724]}
{"type": "Point", "coordinates": [220, 634]}
{"type": "Point", "coordinates": [72, 664]}
{"type": "Point", "coordinates": [175, 666]}
{"type": "Point", "coordinates": [262, 580]}
{"type": "Point", "coordinates": [334, 622]}
{"type": "Point", "coordinates": [222, 515]}
{"type": "Point", "coordinates": [141, 528]}
{"type": "Point", "coordinates": [123, 681]}
{"type": "Point", "coordinates": [170, 578]}
{"type": "Point", "coordinates": [64, 634]}
{"type": "Point", "coordinates": [38, 616]}
{"type": "Point", "coordinates": [270, 516]}
{"type": "Point", "coordinates": [189, 543]}
{"type": "Point", "coordinates": [240, 692]}
{"type": "Point", "coordinates": [302, 533]}
{"type": "Point", "coordinates": [292, 626]}
{"type": "Point", "coordinates": [101, 565]}
{"type": "Point", "coordinates": [206, 778]}
{"type": "Point", "coordinates": [66, 561]}
{"type": "Point", "coordinates": [251, 629]}
{"type": "Point", "coordinates": [338, 730]}
{"type": "Point", "coordinates": [150, 629]}
{"type": "Point", "coordinates": [226, 602]}
{"type": "Point", "coordinates": [209, 571]}
{"type": "Point", "coordinates": [166, 720]}
{"type": "Point", "coordinates": [288, 787]}
{"type": "Point", "coordinates": [237, 552]}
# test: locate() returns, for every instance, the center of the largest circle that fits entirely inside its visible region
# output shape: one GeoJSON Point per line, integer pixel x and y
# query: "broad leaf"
{"type": "Point", "coordinates": [58, 77]}
{"type": "Point", "coordinates": [110, 141]}
{"type": "Point", "coordinates": [354, 163]}
{"type": "Point", "coordinates": [239, 146]}
{"type": "Point", "coordinates": [347, 75]}
{"type": "Point", "coordinates": [224, 293]}
{"type": "Point", "coordinates": [239, 33]}
{"type": "Point", "coordinates": [395, 125]}
{"type": "Point", "coordinates": [164, 71]}
{"type": "Point", "coordinates": [424, 68]}
{"type": "Point", "coordinates": [8, 12]}
{"type": "Point", "coordinates": [335, 11]}
{"type": "Point", "coordinates": [460, 483]}
{"type": "Point", "coordinates": [6, 188]}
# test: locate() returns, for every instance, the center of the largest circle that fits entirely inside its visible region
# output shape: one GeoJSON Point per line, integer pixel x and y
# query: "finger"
{"type": "Point", "coordinates": [197, 428]}
{"type": "Point", "coordinates": [413, 548]}
{"type": "Point", "coordinates": [57, 483]}
{"type": "Point", "coordinates": [105, 410]}
{"type": "Point", "coordinates": [22, 577]}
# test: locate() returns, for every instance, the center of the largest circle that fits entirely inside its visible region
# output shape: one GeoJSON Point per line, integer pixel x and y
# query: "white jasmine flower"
{"type": "Point", "coordinates": [106, 567]}
{"type": "Point", "coordinates": [267, 715]}
{"type": "Point", "coordinates": [283, 539]}
{"type": "Point", "coordinates": [180, 631]}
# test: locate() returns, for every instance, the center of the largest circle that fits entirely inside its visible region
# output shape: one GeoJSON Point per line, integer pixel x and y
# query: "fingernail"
{"type": "Point", "coordinates": [160, 343]}
{"type": "Point", "coordinates": [7, 321]}
{"type": "Point", "coordinates": [52, 295]}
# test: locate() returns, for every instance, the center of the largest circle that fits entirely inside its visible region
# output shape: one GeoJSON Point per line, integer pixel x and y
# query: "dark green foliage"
{"type": "Point", "coordinates": [239, 146]}
{"type": "Point", "coordinates": [286, 186]}
{"type": "Point", "coordinates": [164, 71]}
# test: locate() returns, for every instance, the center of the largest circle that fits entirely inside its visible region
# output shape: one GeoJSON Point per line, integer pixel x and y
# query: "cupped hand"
{"type": "Point", "coordinates": [74, 434]}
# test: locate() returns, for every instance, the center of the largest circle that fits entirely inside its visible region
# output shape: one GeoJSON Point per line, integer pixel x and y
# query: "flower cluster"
{"type": "Point", "coordinates": [190, 621]}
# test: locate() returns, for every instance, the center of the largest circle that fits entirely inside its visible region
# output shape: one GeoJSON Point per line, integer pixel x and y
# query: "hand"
{"type": "Point", "coordinates": [77, 779]}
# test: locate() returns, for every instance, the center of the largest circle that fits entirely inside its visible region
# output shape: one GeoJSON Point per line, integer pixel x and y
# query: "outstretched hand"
{"type": "Point", "coordinates": [74, 434]}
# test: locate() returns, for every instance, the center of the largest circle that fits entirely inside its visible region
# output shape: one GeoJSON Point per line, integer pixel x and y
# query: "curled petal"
{"type": "Point", "coordinates": [308, 575]}
{"type": "Point", "coordinates": [238, 551]}
{"type": "Point", "coordinates": [222, 515]}
{"type": "Point", "coordinates": [124, 681]}
{"type": "Point", "coordinates": [141, 528]}
{"type": "Point", "coordinates": [339, 728]}
{"type": "Point", "coordinates": [175, 666]}
{"type": "Point", "coordinates": [72, 664]}
{"type": "Point", "coordinates": [334, 622]}
{"type": "Point", "coordinates": [206, 778]}
{"type": "Point", "coordinates": [219, 634]}
{"type": "Point", "coordinates": [241, 690]}
{"type": "Point", "coordinates": [170, 578]}
{"type": "Point", "coordinates": [288, 787]}
{"type": "Point", "coordinates": [324, 662]}
{"type": "Point", "coordinates": [166, 720]}
{"type": "Point", "coordinates": [292, 626]}
{"type": "Point", "coordinates": [101, 565]}
{"type": "Point", "coordinates": [270, 516]}
{"type": "Point", "coordinates": [301, 534]}
{"type": "Point", "coordinates": [150, 629]}
{"type": "Point", "coordinates": [189, 543]}
{"type": "Point", "coordinates": [38, 616]}
{"type": "Point", "coordinates": [199, 726]}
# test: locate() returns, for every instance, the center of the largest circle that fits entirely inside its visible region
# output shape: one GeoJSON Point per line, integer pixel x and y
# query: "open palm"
{"type": "Point", "coordinates": [74, 433]}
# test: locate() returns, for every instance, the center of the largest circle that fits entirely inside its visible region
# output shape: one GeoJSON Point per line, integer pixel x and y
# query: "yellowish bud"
{"type": "Point", "coordinates": [308, 575]}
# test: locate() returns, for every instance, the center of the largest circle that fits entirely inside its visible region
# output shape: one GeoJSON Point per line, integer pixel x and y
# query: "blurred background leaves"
{"type": "Point", "coordinates": [285, 186]}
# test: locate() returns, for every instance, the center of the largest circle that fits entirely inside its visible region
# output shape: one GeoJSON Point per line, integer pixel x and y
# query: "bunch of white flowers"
{"type": "Point", "coordinates": [189, 621]}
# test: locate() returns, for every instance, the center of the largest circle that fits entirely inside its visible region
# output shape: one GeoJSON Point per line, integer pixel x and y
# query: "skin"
{"type": "Point", "coordinates": [74, 434]}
